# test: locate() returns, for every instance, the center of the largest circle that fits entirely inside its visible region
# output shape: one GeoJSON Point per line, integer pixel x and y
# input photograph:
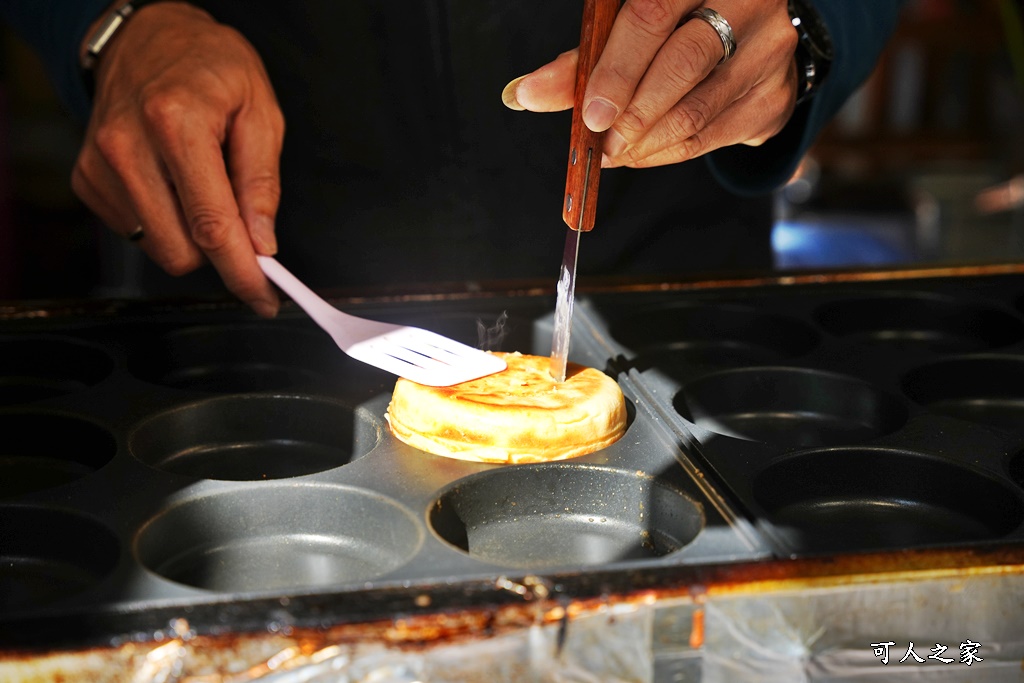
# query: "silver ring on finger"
{"type": "Point", "coordinates": [135, 235]}
{"type": "Point", "coordinates": [722, 28]}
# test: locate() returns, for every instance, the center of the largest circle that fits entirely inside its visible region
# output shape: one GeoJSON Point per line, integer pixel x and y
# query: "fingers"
{"type": "Point", "coordinates": [756, 111]}
{"type": "Point", "coordinates": [675, 129]}
{"type": "Point", "coordinates": [684, 104]}
{"type": "Point", "coordinates": [661, 89]}
{"type": "Point", "coordinates": [131, 177]}
{"type": "Point", "coordinates": [253, 150]}
{"type": "Point", "coordinates": [549, 88]}
{"type": "Point", "coordinates": [106, 197]}
{"type": "Point", "coordinates": [252, 159]}
{"type": "Point", "coordinates": [684, 58]}
{"type": "Point", "coordinates": [195, 161]}
{"type": "Point", "coordinates": [754, 118]}
{"type": "Point", "coordinates": [641, 29]}
{"type": "Point", "coordinates": [111, 194]}
{"type": "Point", "coordinates": [185, 139]}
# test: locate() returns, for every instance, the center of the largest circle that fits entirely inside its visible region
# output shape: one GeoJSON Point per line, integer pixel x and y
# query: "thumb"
{"type": "Point", "coordinates": [549, 88]}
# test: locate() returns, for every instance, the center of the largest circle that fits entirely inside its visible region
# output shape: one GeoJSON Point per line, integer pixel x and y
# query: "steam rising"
{"type": "Point", "coordinates": [491, 338]}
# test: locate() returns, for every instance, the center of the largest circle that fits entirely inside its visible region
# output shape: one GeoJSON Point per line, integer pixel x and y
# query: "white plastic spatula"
{"type": "Point", "coordinates": [416, 354]}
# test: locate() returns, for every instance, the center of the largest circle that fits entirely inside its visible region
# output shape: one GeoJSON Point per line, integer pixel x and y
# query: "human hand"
{"type": "Point", "coordinates": [660, 91]}
{"type": "Point", "coordinates": [184, 140]}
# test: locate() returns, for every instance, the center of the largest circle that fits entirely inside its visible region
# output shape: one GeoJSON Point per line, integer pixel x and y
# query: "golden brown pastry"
{"type": "Point", "coordinates": [516, 416]}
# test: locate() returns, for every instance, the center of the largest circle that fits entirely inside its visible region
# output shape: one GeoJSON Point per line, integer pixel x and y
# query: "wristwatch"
{"type": "Point", "coordinates": [107, 29]}
{"type": "Point", "coordinates": [814, 53]}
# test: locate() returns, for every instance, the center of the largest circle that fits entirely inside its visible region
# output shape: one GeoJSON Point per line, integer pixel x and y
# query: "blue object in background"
{"type": "Point", "coordinates": [843, 242]}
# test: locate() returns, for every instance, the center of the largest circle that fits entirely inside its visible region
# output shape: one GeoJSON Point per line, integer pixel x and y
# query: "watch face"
{"type": "Point", "coordinates": [813, 30]}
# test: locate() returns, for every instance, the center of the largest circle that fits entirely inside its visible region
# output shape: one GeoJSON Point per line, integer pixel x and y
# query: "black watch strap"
{"type": "Point", "coordinates": [806, 73]}
{"type": "Point", "coordinates": [814, 53]}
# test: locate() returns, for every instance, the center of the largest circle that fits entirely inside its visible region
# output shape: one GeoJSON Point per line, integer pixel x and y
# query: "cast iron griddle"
{"type": "Point", "coordinates": [196, 460]}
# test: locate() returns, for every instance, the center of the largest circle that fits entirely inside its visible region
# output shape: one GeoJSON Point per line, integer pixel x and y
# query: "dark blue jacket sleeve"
{"type": "Point", "coordinates": [859, 30]}
{"type": "Point", "coordinates": [55, 29]}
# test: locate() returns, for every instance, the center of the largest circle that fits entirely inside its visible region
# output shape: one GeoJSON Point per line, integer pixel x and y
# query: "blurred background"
{"type": "Point", "coordinates": [925, 164]}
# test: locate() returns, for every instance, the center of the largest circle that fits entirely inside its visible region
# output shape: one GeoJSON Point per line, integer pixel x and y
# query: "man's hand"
{"type": "Point", "coordinates": [185, 140]}
{"type": "Point", "coordinates": [659, 90]}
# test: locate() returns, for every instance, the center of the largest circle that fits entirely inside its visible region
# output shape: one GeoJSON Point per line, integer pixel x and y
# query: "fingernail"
{"type": "Point", "coordinates": [600, 115]}
{"type": "Point", "coordinates": [508, 95]}
{"type": "Point", "coordinates": [262, 231]}
{"type": "Point", "coordinates": [614, 144]}
{"type": "Point", "coordinates": [265, 308]}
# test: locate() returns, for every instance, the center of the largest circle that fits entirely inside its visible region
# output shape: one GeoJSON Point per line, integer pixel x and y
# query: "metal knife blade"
{"type": "Point", "coordinates": [582, 176]}
{"type": "Point", "coordinates": [566, 295]}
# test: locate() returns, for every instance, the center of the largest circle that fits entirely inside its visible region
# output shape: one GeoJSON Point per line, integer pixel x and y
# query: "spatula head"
{"type": "Point", "coordinates": [426, 357]}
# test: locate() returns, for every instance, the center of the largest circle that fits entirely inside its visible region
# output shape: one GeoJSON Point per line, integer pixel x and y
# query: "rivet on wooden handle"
{"type": "Point", "coordinates": [584, 172]}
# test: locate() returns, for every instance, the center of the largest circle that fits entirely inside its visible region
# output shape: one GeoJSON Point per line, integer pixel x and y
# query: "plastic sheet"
{"type": "Point", "coordinates": [610, 645]}
{"type": "Point", "coordinates": [825, 635]}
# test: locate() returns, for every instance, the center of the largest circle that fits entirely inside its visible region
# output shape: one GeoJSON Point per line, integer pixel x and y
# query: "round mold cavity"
{"type": "Point", "coordinates": [255, 437]}
{"type": "Point", "coordinates": [47, 555]}
{"type": "Point", "coordinates": [37, 368]}
{"type": "Point", "coordinates": [873, 498]}
{"type": "Point", "coordinates": [278, 537]}
{"type": "Point", "coordinates": [790, 407]}
{"type": "Point", "coordinates": [934, 323]}
{"type": "Point", "coordinates": [718, 335]}
{"type": "Point", "coordinates": [540, 516]}
{"type": "Point", "coordinates": [983, 389]}
{"type": "Point", "coordinates": [243, 358]}
{"type": "Point", "coordinates": [45, 450]}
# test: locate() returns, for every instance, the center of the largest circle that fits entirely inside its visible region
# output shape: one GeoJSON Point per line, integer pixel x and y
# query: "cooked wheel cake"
{"type": "Point", "coordinates": [516, 416]}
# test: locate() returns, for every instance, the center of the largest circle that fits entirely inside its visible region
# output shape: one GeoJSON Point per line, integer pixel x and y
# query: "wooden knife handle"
{"type": "Point", "coordinates": [584, 173]}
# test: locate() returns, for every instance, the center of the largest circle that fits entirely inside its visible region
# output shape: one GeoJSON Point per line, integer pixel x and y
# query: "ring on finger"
{"type": "Point", "coordinates": [722, 28]}
{"type": "Point", "coordinates": [135, 235]}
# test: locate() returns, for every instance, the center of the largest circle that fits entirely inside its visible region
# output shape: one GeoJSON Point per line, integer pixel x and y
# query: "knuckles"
{"type": "Point", "coordinates": [688, 61]}
{"type": "Point", "coordinates": [691, 118]}
{"type": "Point", "coordinates": [210, 228]}
{"type": "Point", "coordinates": [652, 16]}
{"type": "Point", "coordinates": [266, 188]}
{"type": "Point", "coordinates": [632, 123]}
{"type": "Point", "coordinates": [115, 143]}
{"type": "Point", "coordinates": [164, 109]}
